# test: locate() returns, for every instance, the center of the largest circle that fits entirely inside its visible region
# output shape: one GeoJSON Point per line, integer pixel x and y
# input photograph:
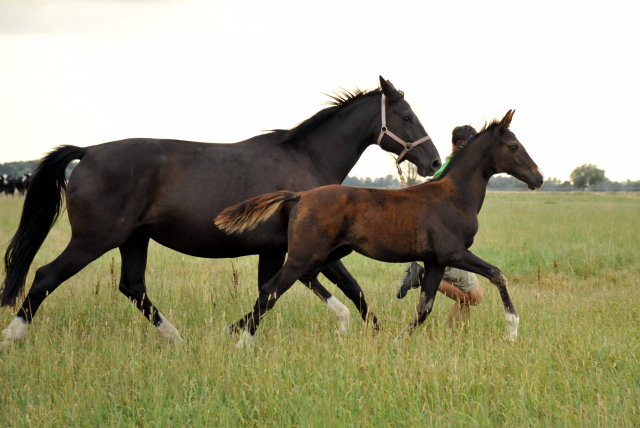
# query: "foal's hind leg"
{"type": "Point", "coordinates": [268, 265]}
{"type": "Point", "coordinates": [76, 256]}
{"type": "Point", "coordinates": [132, 284]}
{"type": "Point", "coordinates": [270, 292]}
{"type": "Point", "coordinates": [472, 263]}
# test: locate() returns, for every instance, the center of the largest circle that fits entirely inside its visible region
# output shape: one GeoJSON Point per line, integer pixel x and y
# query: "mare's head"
{"type": "Point", "coordinates": [403, 122]}
{"type": "Point", "coordinates": [509, 156]}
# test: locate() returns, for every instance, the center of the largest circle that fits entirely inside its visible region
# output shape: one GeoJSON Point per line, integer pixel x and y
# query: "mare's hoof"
{"type": "Point", "coordinates": [232, 329]}
{"type": "Point", "coordinates": [14, 331]}
{"type": "Point", "coordinates": [245, 341]}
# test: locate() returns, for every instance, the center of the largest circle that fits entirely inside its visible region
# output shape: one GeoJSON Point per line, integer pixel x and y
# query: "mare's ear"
{"type": "Point", "coordinates": [506, 120]}
{"type": "Point", "coordinates": [388, 89]}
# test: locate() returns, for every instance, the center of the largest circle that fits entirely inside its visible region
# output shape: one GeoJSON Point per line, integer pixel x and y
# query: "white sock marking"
{"type": "Point", "coordinates": [168, 331]}
{"type": "Point", "coordinates": [245, 340]}
{"type": "Point", "coordinates": [15, 331]}
{"type": "Point", "coordinates": [341, 311]}
{"type": "Point", "coordinates": [512, 324]}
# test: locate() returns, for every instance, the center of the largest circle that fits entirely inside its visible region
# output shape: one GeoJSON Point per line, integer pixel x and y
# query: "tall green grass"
{"type": "Point", "coordinates": [91, 359]}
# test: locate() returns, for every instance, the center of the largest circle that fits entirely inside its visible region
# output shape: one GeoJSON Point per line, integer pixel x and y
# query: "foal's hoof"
{"type": "Point", "coordinates": [512, 325]}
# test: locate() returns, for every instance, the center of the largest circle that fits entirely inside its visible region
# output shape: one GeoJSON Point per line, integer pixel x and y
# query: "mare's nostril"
{"type": "Point", "coordinates": [436, 164]}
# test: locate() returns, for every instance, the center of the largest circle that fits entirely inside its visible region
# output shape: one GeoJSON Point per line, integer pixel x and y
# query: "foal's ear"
{"type": "Point", "coordinates": [506, 120]}
{"type": "Point", "coordinates": [388, 89]}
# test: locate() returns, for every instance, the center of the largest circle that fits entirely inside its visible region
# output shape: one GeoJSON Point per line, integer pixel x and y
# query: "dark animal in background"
{"type": "Point", "coordinates": [180, 187]}
{"type": "Point", "coordinates": [22, 183]}
{"type": "Point", "coordinates": [434, 222]}
{"type": "Point", "coordinates": [7, 185]}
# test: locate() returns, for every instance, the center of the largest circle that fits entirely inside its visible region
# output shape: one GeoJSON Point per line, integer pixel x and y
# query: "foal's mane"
{"type": "Point", "coordinates": [340, 98]}
{"type": "Point", "coordinates": [461, 148]}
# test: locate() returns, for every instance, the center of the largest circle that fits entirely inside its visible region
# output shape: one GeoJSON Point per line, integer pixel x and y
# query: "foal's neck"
{"type": "Point", "coordinates": [471, 174]}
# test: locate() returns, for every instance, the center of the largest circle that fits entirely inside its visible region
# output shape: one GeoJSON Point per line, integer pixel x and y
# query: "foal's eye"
{"type": "Point", "coordinates": [513, 148]}
{"type": "Point", "coordinates": [406, 118]}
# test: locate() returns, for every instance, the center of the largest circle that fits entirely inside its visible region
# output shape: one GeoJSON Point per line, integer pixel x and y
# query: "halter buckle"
{"type": "Point", "coordinates": [408, 147]}
{"type": "Point", "coordinates": [383, 129]}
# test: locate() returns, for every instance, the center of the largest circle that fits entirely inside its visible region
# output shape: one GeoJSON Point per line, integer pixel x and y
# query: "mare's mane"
{"type": "Point", "coordinates": [460, 148]}
{"type": "Point", "coordinates": [339, 99]}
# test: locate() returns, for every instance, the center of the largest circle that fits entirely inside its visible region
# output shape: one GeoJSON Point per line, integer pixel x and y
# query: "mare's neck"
{"type": "Point", "coordinates": [337, 144]}
{"type": "Point", "coordinates": [470, 176]}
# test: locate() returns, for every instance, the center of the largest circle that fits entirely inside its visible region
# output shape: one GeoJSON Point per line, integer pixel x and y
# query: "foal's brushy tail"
{"type": "Point", "coordinates": [248, 214]}
{"type": "Point", "coordinates": [39, 213]}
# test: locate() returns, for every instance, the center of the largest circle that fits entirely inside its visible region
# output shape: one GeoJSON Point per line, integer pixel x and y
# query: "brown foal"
{"type": "Point", "coordinates": [434, 222]}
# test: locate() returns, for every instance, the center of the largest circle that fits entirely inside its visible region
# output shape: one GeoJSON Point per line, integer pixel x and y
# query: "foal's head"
{"type": "Point", "coordinates": [509, 156]}
{"type": "Point", "coordinates": [403, 122]}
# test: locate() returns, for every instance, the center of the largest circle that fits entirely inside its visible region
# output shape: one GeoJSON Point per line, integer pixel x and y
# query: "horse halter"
{"type": "Point", "coordinates": [384, 130]}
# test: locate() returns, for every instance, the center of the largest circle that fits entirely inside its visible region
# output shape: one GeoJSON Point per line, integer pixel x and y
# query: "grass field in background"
{"type": "Point", "coordinates": [573, 264]}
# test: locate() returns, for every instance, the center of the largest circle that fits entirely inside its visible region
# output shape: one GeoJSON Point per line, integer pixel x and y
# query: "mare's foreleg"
{"type": "Point", "coordinates": [341, 311]}
{"type": "Point", "coordinates": [472, 263]}
{"type": "Point", "coordinates": [337, 273]}
{"type": "Point", "coordinates": [133, 285]}
{"type": "Point", "coordinates": [430, 281]}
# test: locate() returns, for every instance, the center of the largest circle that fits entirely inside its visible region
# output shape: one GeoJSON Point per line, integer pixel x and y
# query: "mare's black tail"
{"type": "Point", "coordinates": [39, 214]}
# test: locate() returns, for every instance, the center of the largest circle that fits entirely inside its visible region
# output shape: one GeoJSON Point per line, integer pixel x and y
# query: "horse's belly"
{"type": "Point", "coordinates": [210, 242]}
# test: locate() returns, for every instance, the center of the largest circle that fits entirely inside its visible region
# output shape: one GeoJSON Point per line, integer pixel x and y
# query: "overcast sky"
{"type": "Point", "coordinates": [85, 72]}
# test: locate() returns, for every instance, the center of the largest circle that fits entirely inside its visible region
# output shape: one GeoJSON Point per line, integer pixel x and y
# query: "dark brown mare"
{"type": "Point", "coordinates": [126, 192]}
{"type": "Point", "coordinates": [434, 222]}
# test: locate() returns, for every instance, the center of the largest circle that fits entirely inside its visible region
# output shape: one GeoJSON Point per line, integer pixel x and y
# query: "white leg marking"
{"type": "Point", "coordinates": [512, 324]}
{"type": "Point", "coordinates": [168, 331]}
{"type": "Point", "coordinates": [15, 331]}
{"type": "Point", "coordinates": [342, 312]}
{"type": "Point", "coordinates": [245, 340]}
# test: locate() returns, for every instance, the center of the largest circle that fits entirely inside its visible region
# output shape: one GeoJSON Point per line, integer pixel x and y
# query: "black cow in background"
{"type": "Point", "coordinates": [22, 183]}
{"type": "Point", "coordinates": [7, 185]}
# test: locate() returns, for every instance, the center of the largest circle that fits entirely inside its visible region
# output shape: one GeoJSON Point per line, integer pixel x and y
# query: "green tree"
{"type": "Point", "coordinates": [586, 175]}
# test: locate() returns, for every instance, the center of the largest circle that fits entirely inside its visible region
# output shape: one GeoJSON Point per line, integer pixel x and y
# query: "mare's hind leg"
{"type": "Point", "coordinates": [133, 285]}
{"type": "Point", "coordinates": [76, 256]}
{"type": "Point", "coordinates": [337, 273]}
{"type": "Point", "coordinates": [472, 263]}
{"type": "Point", "coordinates": [432, 277]}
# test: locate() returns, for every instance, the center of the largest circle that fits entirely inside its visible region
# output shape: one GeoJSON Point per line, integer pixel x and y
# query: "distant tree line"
{"type": "Point", "coordinates": [16, 169]}
{"type": "Point", "coordinates": [585, 177]}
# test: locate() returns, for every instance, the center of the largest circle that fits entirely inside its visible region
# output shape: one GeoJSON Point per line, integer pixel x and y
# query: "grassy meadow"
{"type": "Point", "coordinates": [573, 263]}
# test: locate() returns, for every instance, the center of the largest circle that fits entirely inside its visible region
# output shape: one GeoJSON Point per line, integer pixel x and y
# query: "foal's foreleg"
{"type": "Point", "coordinates": [472, 263]}
{"type": "Point", "coordinates": [432, 277]}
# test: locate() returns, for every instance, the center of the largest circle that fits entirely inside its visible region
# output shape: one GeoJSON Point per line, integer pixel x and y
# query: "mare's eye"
{"type": "Point", "coordinates": [406, 118]}
{"type": "Point", "coordinates": [513, 148]}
